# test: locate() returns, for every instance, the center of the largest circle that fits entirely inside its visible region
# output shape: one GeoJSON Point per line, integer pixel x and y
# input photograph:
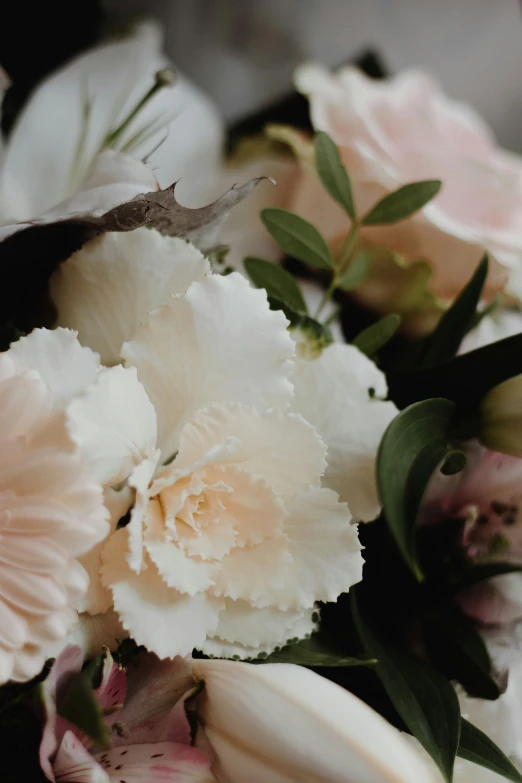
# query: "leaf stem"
{"type": "Point", "coordinates": [340, 267]}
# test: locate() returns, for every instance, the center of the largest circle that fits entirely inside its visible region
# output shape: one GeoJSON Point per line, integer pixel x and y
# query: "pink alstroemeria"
{"type": "Point", "coordinates": [144, 713]}
{"type": "Point", "coordinates": [486, 499]}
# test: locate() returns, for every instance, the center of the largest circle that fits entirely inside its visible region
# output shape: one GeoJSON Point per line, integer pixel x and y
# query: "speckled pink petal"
{"type": "Point", "coordinates": [160, 762]}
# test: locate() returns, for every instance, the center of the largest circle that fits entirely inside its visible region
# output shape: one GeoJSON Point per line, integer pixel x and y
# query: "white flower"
{"type": "Point", "coordinates": [231, 543]}
{"type": "Point", "coordinates": [279, 722]}
{"type": "Point", "coordinates": [51, 514]}
{"type": "Point", "coordinates": [232, 539]}
{"type": "Point", "coordinates": [70, 117]}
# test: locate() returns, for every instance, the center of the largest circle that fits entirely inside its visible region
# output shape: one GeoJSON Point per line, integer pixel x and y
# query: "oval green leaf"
{"type": "Point", "coordinates": [372, 339]}
{"type": "Point", "coordinates": [412, 448]}
{"type": "Point", "coordinates": [277, 282]}
{"type": "Point", "coordinates": [297, 237]}
{"type": "Point", "coordinates": [332, 173]}
{"type": "Point", "coordinates": [477, 747]}
{"type": "Point", "coordinates": [402, 203]}
{"type": "Point", "coordinates": [425, 700]}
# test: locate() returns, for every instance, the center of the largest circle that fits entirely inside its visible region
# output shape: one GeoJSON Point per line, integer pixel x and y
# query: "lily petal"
{"type": "Point", "coordinates": [284, 723]}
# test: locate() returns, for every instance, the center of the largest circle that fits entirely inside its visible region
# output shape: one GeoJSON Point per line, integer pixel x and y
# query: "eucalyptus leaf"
{"type": "Point", "coordinates": [332, 173]}
{"type": "Point", "coordinates": [412, 448]}
{"type": "Point", "coordinates": [356, 273]}
{"type": "Point", "coordinates": [402, 203]}
{"type": "Point", "coordinates": [297, 237]}
{"type": "Point", "coordinates": [425, 699]}
{"type": "Point", "coordinates": [372, 339]}
{"type": "Point", "coordinates": [457, 649]}
{"type": "Point", "coordinates": [315, 652]}
{"type": "Point", "coordinates": [277, 282]}
{"type": "Point", "coordinates": [79, 705]}
{"type": "Point", "coordinates": [445, 340]}
{"type": "Point", "coordinates": [477, 747]}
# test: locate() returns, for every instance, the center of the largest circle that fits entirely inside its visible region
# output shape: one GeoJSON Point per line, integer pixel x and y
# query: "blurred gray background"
{"type": "Point", "coordinates": [243, 52]}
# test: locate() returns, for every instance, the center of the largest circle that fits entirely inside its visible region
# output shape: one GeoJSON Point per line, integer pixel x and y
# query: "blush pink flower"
{"type": "Point", "coordinates": [403, 130]}
{"type": "Point", "coordinates": [51, 513]}
{"type": "Point", "coordinates": [144, 711]}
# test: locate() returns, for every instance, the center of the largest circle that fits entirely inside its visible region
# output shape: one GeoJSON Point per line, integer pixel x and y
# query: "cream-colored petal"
{"type": "Point", "coordinates": [98, 599]}
{"type": "Point", "coordinates": [107, 288]}
{"type": "Point", "coordinates": [113, 424]}
{"type": "Point", "coordinates": [246, 632]}
{"type": "Point", "coordinates": [340, 393]}
{"type": "Point", "coordinates": [254, 573]}
{"type": "Point", "coordinates": [282, 448]}
{"type": "Point", "coordinates": [157, 616]}
{"type": "Point", "coordinates": [66, 367]}
{"type": "Point", "coordinates": [140, 480]}
{"type": "Point", "coordinates": [284, 723]}
{"type": "Point", "coordinates": [218, 342]}
{"type": "Point", "coordinates": [186, 574]}
{"type": "Point", "coordinates": [325, 550]}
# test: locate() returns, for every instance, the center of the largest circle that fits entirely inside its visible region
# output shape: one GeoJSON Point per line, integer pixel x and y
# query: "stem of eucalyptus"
{"type": "Point", "coordinates": [340, 267]}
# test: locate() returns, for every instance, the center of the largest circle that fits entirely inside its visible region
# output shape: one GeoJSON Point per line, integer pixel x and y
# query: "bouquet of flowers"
{"type": "Point", "coordinates": [260, 460]}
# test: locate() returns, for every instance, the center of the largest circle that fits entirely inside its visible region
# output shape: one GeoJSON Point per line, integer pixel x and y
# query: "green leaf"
{"type": "Point", "coordinates": [297, 237]}
{"type": "Point", "coordinates": [425, 700]}
{"type": "Point", "coordinates": [79, 705]}
{"type": "Point", "coordinates": [315, 652]}
{"type": "Point", "coordinates": [372, 339]}
{"type": "Point", "coordinates": [477, 747]}
{"type": "Point", "coordinates": [277, 282]}
{"type": "Point", "coordinates": [356, 272]}
{"type": "Point", "coordinates": [458, 651]}
{"type": "Point", "coordinates": [332, 173]}
{"type": "Point", "coordinates": [464, 380]}
{"type": "Point", "coordinates": [412, 448]}
{"type": "Point", "coordinates": [402, 203]}
{"type": "Point", "coordinates": [444, 341]}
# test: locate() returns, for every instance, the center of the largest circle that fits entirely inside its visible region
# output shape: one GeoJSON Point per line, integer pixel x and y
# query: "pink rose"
{"type": "Point", "coordinates": [404, 130]}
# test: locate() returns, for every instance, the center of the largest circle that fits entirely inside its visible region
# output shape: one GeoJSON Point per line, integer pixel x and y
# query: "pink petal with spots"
{"type": "Point", "coordinates": [113, 688]}
{"type": "Point", "coordinates": [74, 763]}
{"type": "Point", "coordinates": [160, 762]}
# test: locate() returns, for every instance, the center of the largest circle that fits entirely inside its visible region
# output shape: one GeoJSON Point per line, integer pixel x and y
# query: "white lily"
{"type": "Point", "coordinates": [281, 723]}
{"type": "Point", "coordinates": [90, 105]}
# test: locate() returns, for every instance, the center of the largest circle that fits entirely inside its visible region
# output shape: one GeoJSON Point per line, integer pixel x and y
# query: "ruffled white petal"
{"type": "Point", "coordinates": [341, 393]}
{"type": "Point", "coordinates": [66, 367]}
{"type": "Point", "coordinates": [113, 424]}
{"type": "Point", "coordinates": [219, 342]}
{"type": "Point", "coordinates": [325, 550]}
{"type": "Point", "coordinates": [284, 723]}
{"type": "Point", "coordinates": [282, 448]}
{"type": "Point", "coordinates": [246, 632]}
{"type": "Point", "coordinates": [107, 288]}
{"type": "Point", "coordinates": [157, 616]}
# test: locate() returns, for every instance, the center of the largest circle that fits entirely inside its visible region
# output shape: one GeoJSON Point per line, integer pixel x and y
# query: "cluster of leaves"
{"type": "Point", "coordinates": [347, 271]}
{"type": "Point", "coordinates": [411, 577]}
